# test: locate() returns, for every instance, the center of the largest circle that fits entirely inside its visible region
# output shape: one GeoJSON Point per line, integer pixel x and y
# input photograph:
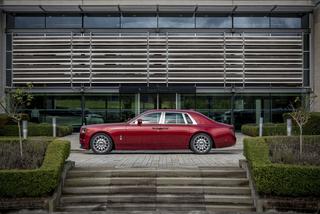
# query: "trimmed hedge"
{"type": "Point", "coordinates": [313, 125]}
{"type": "Point", "coordinates": [279, 179]}
{"type": "Point", "coordinates": [36, 182]}
{"type": "Point", "coordinates": [34, 129]}
{"type": "Point", "coordinates": [272, 129]}
{"type": "Point", "coordinates": [269, 129]}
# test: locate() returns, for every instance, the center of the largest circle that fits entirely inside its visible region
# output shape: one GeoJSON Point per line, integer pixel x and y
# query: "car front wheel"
{"type": "Point", "coordinates": [101, 143]}
{"type": "Point", "coordinates": [201, 143]}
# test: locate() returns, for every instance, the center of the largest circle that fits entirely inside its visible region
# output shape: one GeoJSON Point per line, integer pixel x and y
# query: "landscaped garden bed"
{"type": "Point", "coordinates": [281, 174]}
{"type": "Point", "coordinates": [30, 181]}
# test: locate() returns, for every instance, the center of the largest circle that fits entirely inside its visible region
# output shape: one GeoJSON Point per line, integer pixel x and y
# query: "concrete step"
{"type": "Point", "coordinates": [159, 181]}
{"type": "Point", "coordinates": [156, 198]}
{"type": "Point", "coordinates": [237, 173]}
{"type": "Point", "coordinates": [159, 189]}
{"type": "Point", "coordinates": [155, 207]}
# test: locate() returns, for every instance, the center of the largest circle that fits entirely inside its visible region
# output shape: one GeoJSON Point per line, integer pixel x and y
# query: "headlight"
{"type": "Point", "coordinates": [83, 130]}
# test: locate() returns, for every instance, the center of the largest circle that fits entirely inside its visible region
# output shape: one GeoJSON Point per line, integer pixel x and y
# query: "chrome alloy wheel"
{"type": "Point", "coordinates": [101, 144]}
{"type": "Point", "coordinates": [201, 143]}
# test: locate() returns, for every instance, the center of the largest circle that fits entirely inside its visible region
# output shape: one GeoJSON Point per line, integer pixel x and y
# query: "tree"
{"type": "Point", "coordinates": [19, 98]}
{"type": "Point", "coordinates": [301, 116]}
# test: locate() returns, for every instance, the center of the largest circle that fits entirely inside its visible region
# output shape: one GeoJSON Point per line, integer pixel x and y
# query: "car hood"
{"type": "Point", "coordinates": [105, 125]}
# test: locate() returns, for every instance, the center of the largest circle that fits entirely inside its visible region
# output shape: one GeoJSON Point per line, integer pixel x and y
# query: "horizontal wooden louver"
{"type": "Point", "coordinates": [104, 59]}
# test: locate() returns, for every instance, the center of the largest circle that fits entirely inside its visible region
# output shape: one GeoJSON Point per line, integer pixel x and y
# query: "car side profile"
{"type": "Point", "coordinates": [159, 130]}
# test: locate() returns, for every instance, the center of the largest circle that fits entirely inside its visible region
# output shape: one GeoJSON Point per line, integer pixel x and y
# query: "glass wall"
{"type": "Point", "coordinates": [139, 20]}
{"type": "Point", "coordinates": [213, 21]}
{"type": "Point", "coordinates": [251, 22]}
{"type": "Point", "coordinates": [176, 20]}
{"type": "Point", "coordinates": [110, 20]}
{"type": "Point", "coordinates": [234, 109]}
{"type": "Point", "coordinates": [156, 20]}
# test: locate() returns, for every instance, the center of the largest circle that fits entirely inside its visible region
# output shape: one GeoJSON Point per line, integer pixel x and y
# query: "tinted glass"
{"type": "Point", "coordinates": [26, 21]}
{"type": "Point", "coordinates": [139, 21]}
{"type": "Point", "coordinates": [152, 118]}
{"type": "Point", "coordinates": [251, 22]}
{"type": "Point", "coordinates": [103, 21]}
{"type": "Point", "coordinates": [74, 21]}
{"type": "Point", "coordinates": [285, 22]}
{"type": "Point", "coordinates": [207, 21]}
{"type": "Point", "coordinates": [176, 21]}
{"type": "Point", "coordinates": [174, 118]}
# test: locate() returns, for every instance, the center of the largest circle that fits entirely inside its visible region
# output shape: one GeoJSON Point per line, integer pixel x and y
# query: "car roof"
{"type": "Point", "coordinates": [170, 110]}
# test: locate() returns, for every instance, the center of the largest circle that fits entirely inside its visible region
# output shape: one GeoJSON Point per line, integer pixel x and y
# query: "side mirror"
{"type": "Point", "coordinates": [139, 122]}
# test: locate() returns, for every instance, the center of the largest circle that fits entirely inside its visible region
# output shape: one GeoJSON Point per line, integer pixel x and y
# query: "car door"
{"type": "Point", "coordinates": [145, 135]}
{"type": "Point", "coordinates": [175, 132]}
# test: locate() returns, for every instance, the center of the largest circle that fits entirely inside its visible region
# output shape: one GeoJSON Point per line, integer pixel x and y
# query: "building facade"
{"type": "Point", "coordinates": [106, 61]}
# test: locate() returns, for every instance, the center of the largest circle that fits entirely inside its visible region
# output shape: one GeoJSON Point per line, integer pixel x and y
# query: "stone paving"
{"type": "Point", "coordinates": [226, 157]}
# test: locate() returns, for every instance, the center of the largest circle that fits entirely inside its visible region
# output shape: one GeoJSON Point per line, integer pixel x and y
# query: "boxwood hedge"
{"type": "Point", "coordinates": [36, 182]}
{"type": "Point", "coordinates": [42, 129]}
{"type": "Point", "coordinates": [279, 179]}
{"type": "Point", "coordinates": [271, 129]}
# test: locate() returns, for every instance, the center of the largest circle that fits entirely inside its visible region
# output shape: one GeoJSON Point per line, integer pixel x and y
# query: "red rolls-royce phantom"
{"type": "Point", "coordinates": [159, 130]}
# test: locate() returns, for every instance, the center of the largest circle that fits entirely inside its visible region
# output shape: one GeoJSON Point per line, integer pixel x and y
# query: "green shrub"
{"type": "Point", "coordinates": [279, 179]}
{"type": "Point", "coordinates": [269, 129]}
{"type": "Point", "coordinates": [36, 182]}
{"type": "Point", "coordinates": [34, 129]}
{"type": "Point", "coordinates": [313, 125]}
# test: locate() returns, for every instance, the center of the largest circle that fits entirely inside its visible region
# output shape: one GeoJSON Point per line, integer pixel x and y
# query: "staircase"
{"type": "Point", "coordinates": [137, 189]}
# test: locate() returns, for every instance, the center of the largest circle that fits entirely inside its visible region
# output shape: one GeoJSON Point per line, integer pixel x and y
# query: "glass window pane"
{"type": "Point", "coordinates": [26, 21]}
{"type": "Point", "coordinates": [128, 106]}
{"type": "Point", "coordinates": [67, 109]}
{"type": "Point", "coordinates": [64, 21]}
{"type": "Point", "coordinates": [139, 20]}
{"type": "Point", "coordinates": [188, 101]}
{"type": "Point", "coordinates": [285, 22]}
{"type": "Point", "coordinates": [251, 22]}
{"type": "Point", "coordinates": [95, 109]}
{"type": "Point", "coordinates": [207, 21]}
{"type": "Point", "coordinates": [174, 118]}
{"type": "Point", "coordinates": [101, 21]}
{"type": "Point", "coordinates": [152, 118]}
{"type": "Point", "coordinates": [176, 21]}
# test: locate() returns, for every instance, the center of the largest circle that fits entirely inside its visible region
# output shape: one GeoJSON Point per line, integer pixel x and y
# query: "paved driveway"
{"type": "Point", "coordinates": [228, 157]}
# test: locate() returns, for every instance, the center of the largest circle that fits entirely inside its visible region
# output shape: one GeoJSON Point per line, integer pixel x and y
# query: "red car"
{"type": "Point", "coordinates": [161, 130]}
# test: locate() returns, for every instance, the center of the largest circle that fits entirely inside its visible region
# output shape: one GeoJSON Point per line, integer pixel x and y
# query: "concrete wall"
{"type": "Point", "coordinates": [2, 57]}
{"type": "Point", "coordinates": [316, 57]}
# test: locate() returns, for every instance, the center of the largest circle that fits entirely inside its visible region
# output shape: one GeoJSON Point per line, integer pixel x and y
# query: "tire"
{"type": "Point", "coordinates": [201, 143]}
{"type": "Point", "coordinates": [101, 143]}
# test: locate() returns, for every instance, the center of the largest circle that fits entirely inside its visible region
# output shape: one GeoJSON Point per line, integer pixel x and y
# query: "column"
{"type": "Point", "coordinates": [316, 58]}
{"type": "Point", "coordinates": [2, 57]}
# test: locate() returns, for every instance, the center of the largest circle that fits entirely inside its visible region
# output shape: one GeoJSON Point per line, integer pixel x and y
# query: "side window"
{"type": "Point", "coordinates": [174, 118]}
{"type": "Point", "coordinates": [189, 121]}
{"type": "Point", "coordinates": [152, 118]}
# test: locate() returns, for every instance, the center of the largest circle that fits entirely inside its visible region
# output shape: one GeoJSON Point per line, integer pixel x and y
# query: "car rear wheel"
{"type": "Point", "coordinates": [201, 143]}
{"type": "Point", "coordinates": [101, 143]}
